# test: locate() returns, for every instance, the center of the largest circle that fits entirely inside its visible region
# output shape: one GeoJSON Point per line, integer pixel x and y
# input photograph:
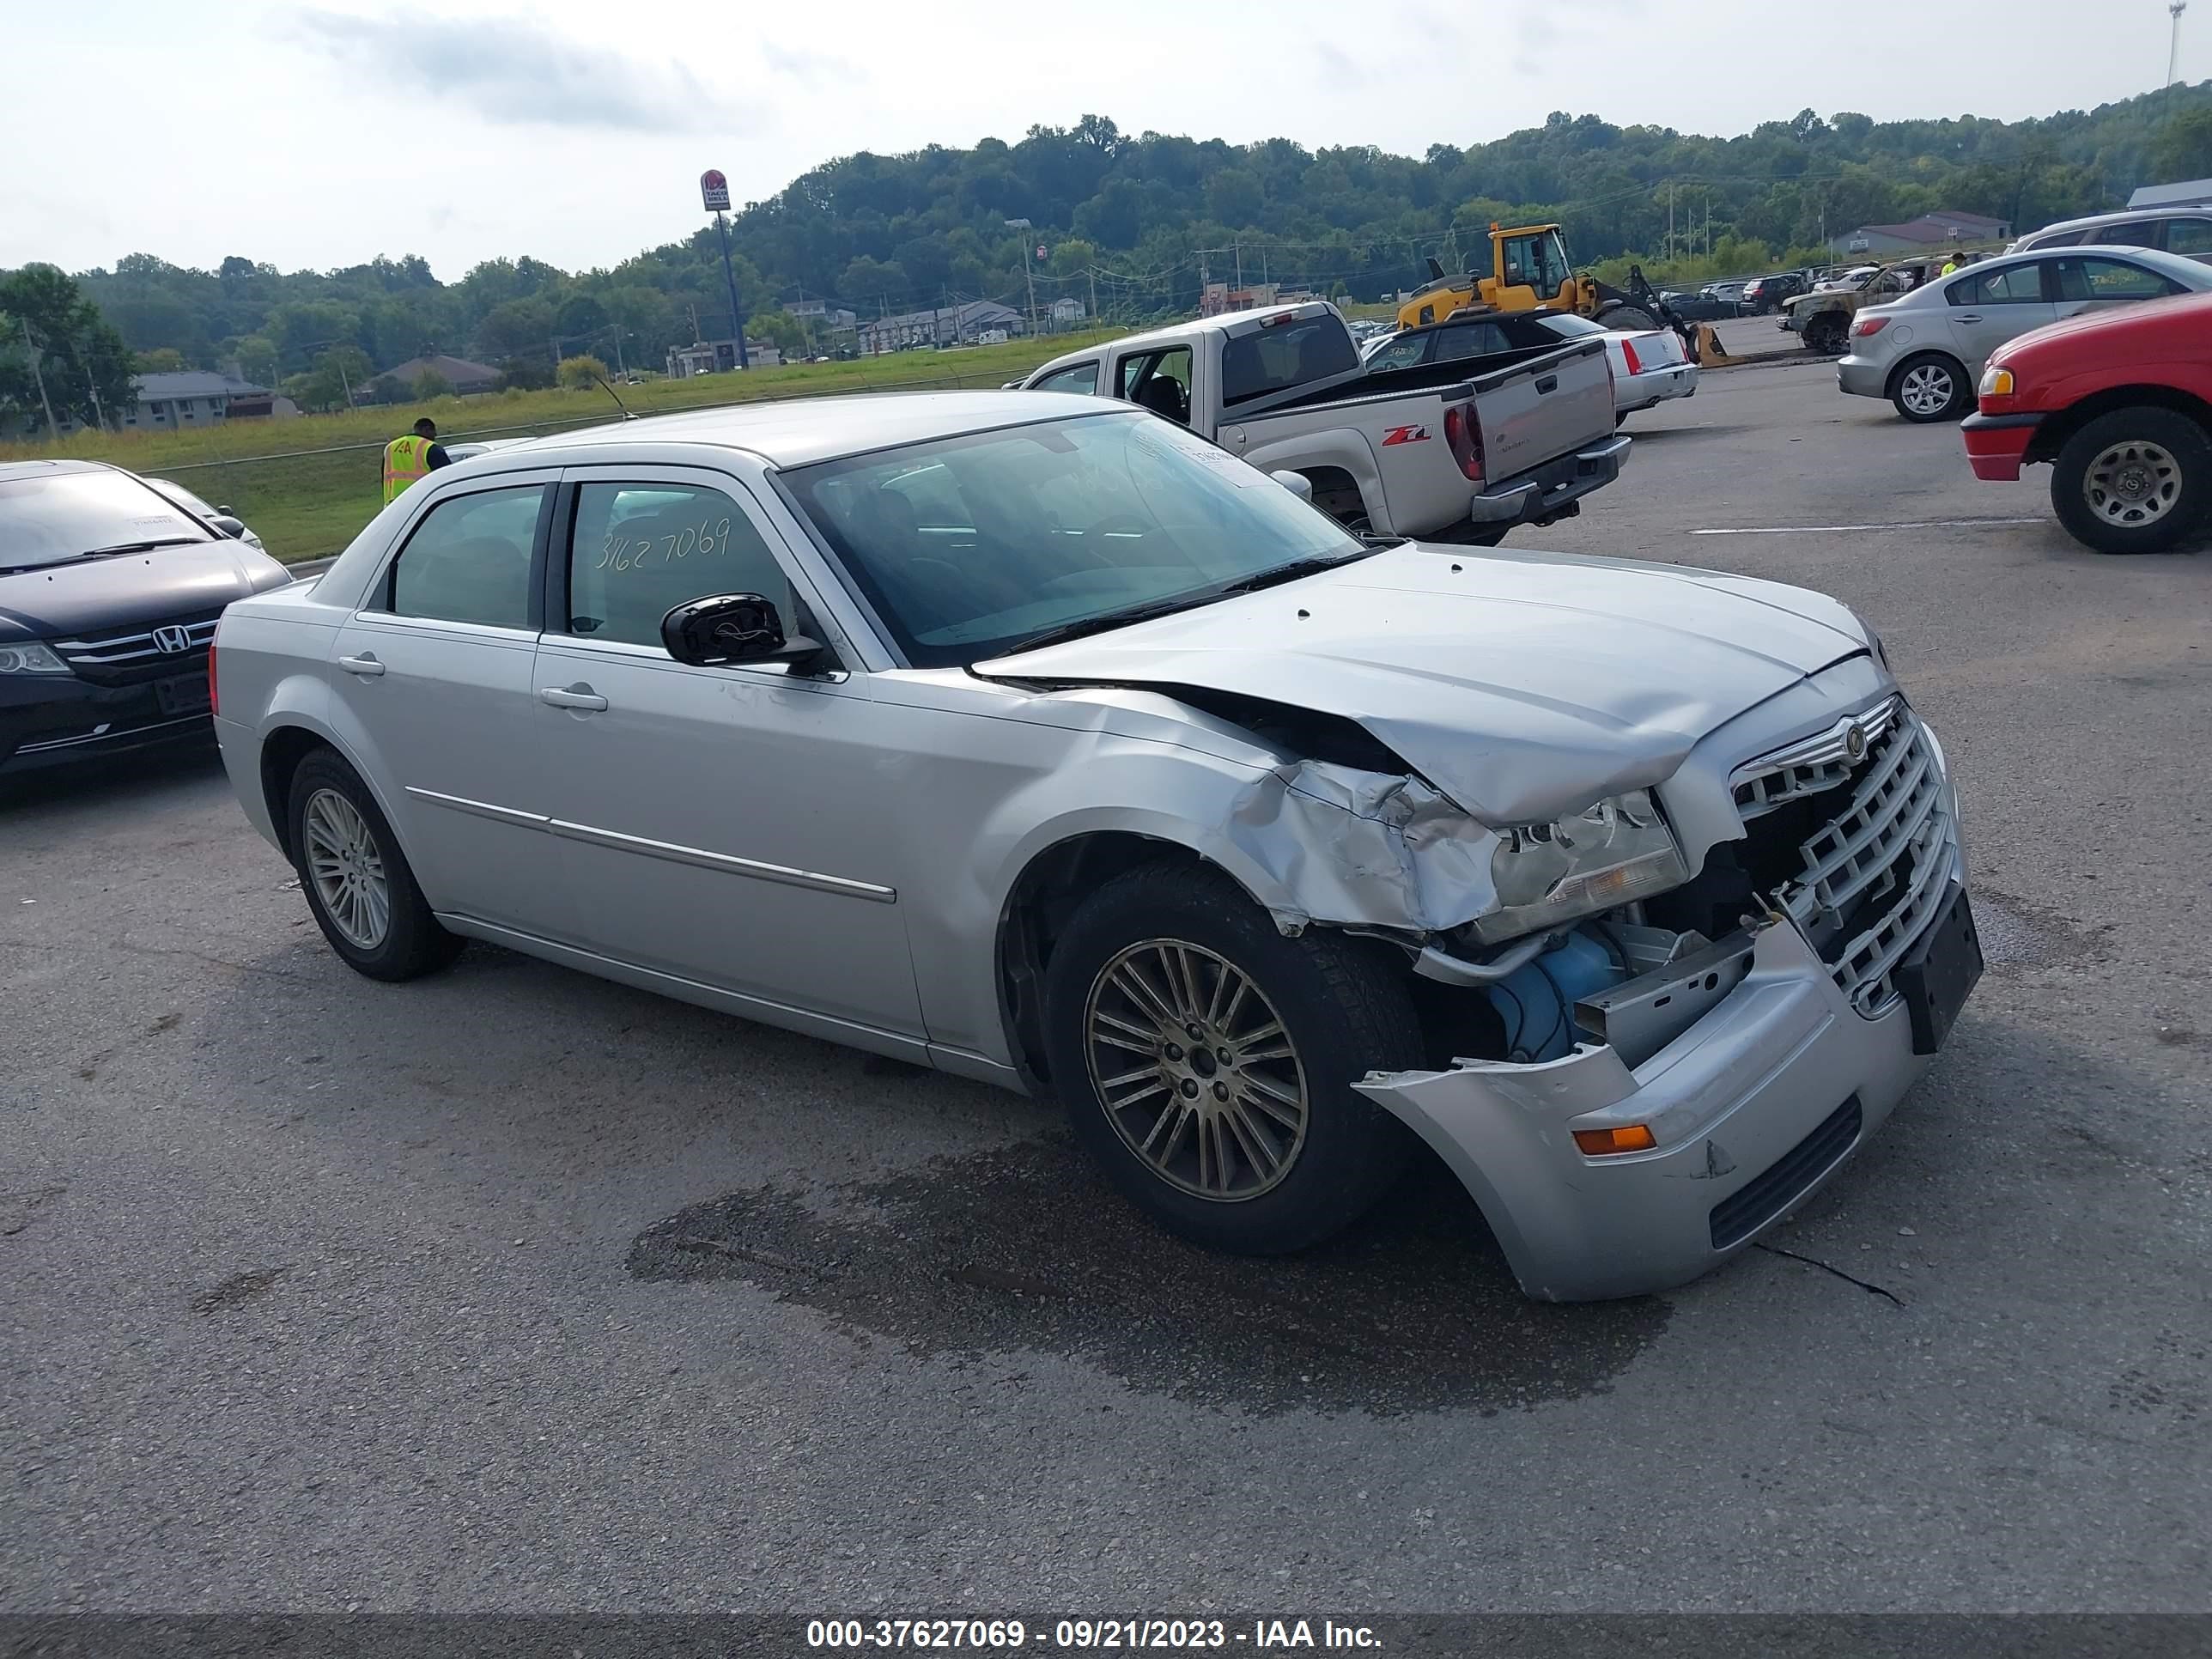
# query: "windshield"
{"type": "Point", "coordinates": [49, 517]}
{"type": "Point", "coordinates": [966, 546]}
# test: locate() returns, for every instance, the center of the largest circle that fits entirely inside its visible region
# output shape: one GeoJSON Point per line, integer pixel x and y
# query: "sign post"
{"type": "Point", "coordinates": [714, 194]}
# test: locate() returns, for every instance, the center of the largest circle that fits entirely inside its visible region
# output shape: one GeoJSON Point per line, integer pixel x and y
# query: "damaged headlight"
{"type": "Point", "coordinates": [1613, 853]}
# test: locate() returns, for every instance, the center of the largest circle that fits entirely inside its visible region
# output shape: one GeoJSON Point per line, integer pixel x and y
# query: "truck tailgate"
{"type": "Point", "coordinates": [1535, 411]}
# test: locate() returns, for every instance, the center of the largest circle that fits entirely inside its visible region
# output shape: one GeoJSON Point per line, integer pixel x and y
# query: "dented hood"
{"type": "Point", "coordinates": [1522, 685]}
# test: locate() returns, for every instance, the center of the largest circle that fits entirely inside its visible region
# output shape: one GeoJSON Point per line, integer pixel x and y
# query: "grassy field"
{"type": "Point", "coordinates": [307, 485]}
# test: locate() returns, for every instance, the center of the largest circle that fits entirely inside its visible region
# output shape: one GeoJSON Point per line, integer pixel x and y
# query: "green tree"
{"type": "Point", "coordinates": [780, 329]}
{"type": "Point", "coordinates": [161, 359]}
{"type": "Point", "coordinates": [430, 383]}
{"type": "Point", "coordinates": [1234, 196]}
{"type": "Point", "coordinates": [580, 374]}
{"type": "Point", "coordinates": [525, 373]}
{"type": "Point", "coordinates": [2183, 148]}
{"type": "Point", "coordinates": [51, 332]}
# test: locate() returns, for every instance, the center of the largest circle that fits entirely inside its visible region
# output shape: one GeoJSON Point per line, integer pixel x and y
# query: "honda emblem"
{"type": "Point", "coordinates": [172, 639]}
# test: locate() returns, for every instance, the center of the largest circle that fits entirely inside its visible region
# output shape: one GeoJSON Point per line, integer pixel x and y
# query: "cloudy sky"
{"type": "Point", "coordinates": [325, 133]}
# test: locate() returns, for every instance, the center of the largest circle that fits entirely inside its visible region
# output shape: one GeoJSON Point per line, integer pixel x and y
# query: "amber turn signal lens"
{"type": "Point", "coordinates": [1629, 1137]}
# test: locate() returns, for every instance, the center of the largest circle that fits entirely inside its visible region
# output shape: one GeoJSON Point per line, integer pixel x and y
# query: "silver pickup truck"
{"type": "Point", "coordinates": [1450, 451]}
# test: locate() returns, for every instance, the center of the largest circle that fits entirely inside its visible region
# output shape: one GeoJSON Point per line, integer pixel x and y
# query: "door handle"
{"type": "Point", "coordinates": [578, 696]}
{"type": "Point", "coordinates": [1549, 383]}
{"type": "Point", "coordinates": [365, 665]}
{"type": "Point", "coordinates": [1967, 317]}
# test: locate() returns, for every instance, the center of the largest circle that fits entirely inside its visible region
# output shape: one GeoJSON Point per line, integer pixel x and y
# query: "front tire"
{"type": "Point", "coordinates": [1627, 317]}
{"type": "Point", "coordinates": [1930, 387]}
{"type": "Point", "coordinates": [2134, 481]}
{"type": "Point", "coordinates": [359, 887]}
{"type": "Point", "coordinates": [1206, 1060]}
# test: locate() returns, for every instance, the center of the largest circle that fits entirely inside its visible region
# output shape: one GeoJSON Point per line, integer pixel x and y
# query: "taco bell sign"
{"type": "Point", "coordinates": [714, 190]}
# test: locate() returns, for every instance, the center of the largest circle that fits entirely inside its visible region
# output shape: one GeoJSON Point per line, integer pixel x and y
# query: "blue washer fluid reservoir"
{"type": "Point", "coordinates": [1536, 1001]}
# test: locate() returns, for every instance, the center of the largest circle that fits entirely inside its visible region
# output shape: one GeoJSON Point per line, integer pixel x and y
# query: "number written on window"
{"type": "Point", "coordinates": [709, 538]}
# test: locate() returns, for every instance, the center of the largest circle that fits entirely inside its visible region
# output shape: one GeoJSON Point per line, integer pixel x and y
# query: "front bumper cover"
{"type": "Point", "coordinates": [1747, 1100]}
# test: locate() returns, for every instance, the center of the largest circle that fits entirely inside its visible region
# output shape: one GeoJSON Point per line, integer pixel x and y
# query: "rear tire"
{"type": "Point", "coordinates": [1265, 1152]}
{"type": "Point", "coordinates": [2134, 481]}
{"type": "Point", "coordinates": [1930, 387]}
{"type": "Point", "coordinates": [359, 888]}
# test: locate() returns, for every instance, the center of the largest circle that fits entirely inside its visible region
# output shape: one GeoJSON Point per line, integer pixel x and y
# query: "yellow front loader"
{"type": "Point", "coordinates": [1529, 268]}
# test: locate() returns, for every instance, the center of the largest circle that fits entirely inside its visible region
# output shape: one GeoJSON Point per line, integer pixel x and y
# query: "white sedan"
{"type": "Point", "coordinates": [1650, 367]}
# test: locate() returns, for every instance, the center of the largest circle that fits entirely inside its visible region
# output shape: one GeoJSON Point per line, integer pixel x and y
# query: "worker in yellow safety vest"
{"type": "Point", "coordinates": [409, 458]}
{"type": "Point", "coordinates": [1950, 265]}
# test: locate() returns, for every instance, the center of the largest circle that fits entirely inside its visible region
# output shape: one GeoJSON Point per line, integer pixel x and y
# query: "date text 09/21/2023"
{"type": "Point", "coordinates": [1010, 1635]}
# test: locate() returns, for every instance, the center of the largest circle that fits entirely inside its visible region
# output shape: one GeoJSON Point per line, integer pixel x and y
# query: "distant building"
{"type": "Point", "coordinates": [1218, 297]}
{"type": "Point", "coordinates": [717, 356]}
{"type": "Point", "coordinates": [467, 379]}
{"type": "Point", "coordinates": [823, 313]}
{"type": "Point", "coordinates": [959, 324]}
{"type": "Point", "coordinates": [1066, 312]}
{"type": "Point", "coordinates": [193, 398]}
{"type": "Point", "coordinates": [2194, 192]}
{"type": "Point", "coordinates": [1917, 235]}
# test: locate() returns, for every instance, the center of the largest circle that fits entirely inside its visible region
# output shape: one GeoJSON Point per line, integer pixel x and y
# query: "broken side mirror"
{"type": "Point", "coordinates": [727, 629]}
{"type": "Point", "coordinates": [1297, 482]}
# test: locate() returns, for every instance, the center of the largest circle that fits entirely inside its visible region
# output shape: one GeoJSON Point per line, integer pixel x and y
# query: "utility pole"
{"type": "Point", "coordinates": [2174, 8]}
{"type": "Point", "coordinates": [92, 384]}
{"type": "Point", "coordinates": [730, 282]}
{"type": "Point", "coordinates": [1093, 274]}
{"type": "Point", "coordinates": [1239, 249]}
{"type": "Point", "coordinates": [54, 427]}
{"type": "Point", "coordinates": [1670, 218]}
{"type": "Point", "coordinates": [1028, 278]}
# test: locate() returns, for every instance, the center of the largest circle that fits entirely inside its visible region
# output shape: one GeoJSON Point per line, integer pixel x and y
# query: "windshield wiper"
{"type": "Point", "coordinates": [136, 547]}
{"type": "Point", "coordinates": [1292, 571]}
{"type": "Point", "coordinates": [1107, 620]}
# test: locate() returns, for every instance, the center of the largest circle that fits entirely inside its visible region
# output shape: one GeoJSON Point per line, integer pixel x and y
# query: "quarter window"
{"type": "Point", "coordinates": [640, 549]}
{"type": "Point", "coordinates": [469, 559]}
{"type": "Point", "coordinates": [1401, 353]}
{"type": "Point", "coordinates": [1080, 378]}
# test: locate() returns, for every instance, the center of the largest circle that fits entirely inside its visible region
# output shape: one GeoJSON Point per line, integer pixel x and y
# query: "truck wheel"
{"type": "Point", "coordinates": [359, 889]}
{"type": "Point", "coordinates": [1627, 317]}
{"type": "Point", "coordinates": [2134, 481]}
{"type": "Point", "coordinates": [1207, 1061]}
{"type": "Point", "coordinates": [1930, 387]}
{"type": "Point", "coordinates": [1824, 333]}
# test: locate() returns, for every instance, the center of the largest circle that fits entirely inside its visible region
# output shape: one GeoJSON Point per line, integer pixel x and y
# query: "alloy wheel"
{"type": "Point", "coordinates": [1195, 1070]}
{"type": "Point", "coordinates": [1926, 390]}
{"type": "Point", "coordinates": [2132, 484]}
{"type": "Point", "coordinates": [347, 870]}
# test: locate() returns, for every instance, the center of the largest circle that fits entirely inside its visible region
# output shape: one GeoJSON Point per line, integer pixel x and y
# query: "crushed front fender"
{"type": "Point", "coordinates": [1751, 1108]}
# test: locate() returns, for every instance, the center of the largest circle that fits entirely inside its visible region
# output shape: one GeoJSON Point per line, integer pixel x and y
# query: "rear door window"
{"type": "Point", "coordinates": [469, 560]}
{"type": "Point", "coordinates": [1292, 353]}
{"type": "Point", "coordinates": [2013, 285]}
{"type": "Point", "coordinates": [1470, 340]}
{"type": "Point", "coordinates": [1404, 352]}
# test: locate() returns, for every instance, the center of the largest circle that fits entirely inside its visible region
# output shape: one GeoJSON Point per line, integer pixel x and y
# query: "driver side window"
{"type": "Point", "coordinates": [640, 549]}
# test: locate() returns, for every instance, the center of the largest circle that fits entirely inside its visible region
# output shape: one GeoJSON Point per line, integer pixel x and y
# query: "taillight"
{"type": "Point", "coordinates": [1628, 353]}
{"type": "Point", "coordinates": [1464, 436]}
{"type": "Point", "coordinates": [214, 707]}
{"type": "Point", "coordinates": [1866, 325]}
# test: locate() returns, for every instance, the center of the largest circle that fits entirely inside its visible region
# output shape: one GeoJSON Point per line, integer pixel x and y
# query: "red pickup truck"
{"type": "Point", "coordinates": [2119, 401]}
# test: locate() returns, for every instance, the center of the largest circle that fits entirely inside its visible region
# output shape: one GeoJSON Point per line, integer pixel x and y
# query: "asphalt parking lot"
{"type": "Point", "coordinates": [514, 1290]}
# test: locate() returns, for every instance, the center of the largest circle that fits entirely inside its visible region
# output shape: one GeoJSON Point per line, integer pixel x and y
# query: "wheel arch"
{"type": "Point", "coordinates": [1049, 890]}
{"type": "Point", "coordinates": [2051, 434]}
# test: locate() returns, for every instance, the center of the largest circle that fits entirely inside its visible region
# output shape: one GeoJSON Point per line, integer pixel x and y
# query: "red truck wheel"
{"type": "Point", "coordinates": [2134, 481]}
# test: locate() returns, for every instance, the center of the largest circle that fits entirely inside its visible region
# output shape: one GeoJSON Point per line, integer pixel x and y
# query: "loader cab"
{"type": "Point", "coordinates": [1531, 267]}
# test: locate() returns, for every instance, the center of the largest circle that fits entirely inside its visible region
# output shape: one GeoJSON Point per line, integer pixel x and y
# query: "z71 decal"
{"type": "Point", "coordinates": [1405, 434]}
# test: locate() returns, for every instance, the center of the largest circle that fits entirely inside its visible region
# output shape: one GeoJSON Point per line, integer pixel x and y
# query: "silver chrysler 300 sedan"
{"type": "Point", "coordinates": [1039, 740]}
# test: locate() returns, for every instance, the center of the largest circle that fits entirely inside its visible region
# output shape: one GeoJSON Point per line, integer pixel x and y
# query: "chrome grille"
{"type": "Point", "coordinates": [1879, 866]}
{"type": "Point", "coordinates": [1819, 763]}
{"type": "Point", "coordinates": [118, 657]}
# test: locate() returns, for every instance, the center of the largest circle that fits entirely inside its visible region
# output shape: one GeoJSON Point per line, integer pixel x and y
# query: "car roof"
{"type": "Point", "coordinates": [11, 471]}
{"type": "Point", "coordinates": [799, 431]}
{"type": "Point", "coordinates": [2118, 216]}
